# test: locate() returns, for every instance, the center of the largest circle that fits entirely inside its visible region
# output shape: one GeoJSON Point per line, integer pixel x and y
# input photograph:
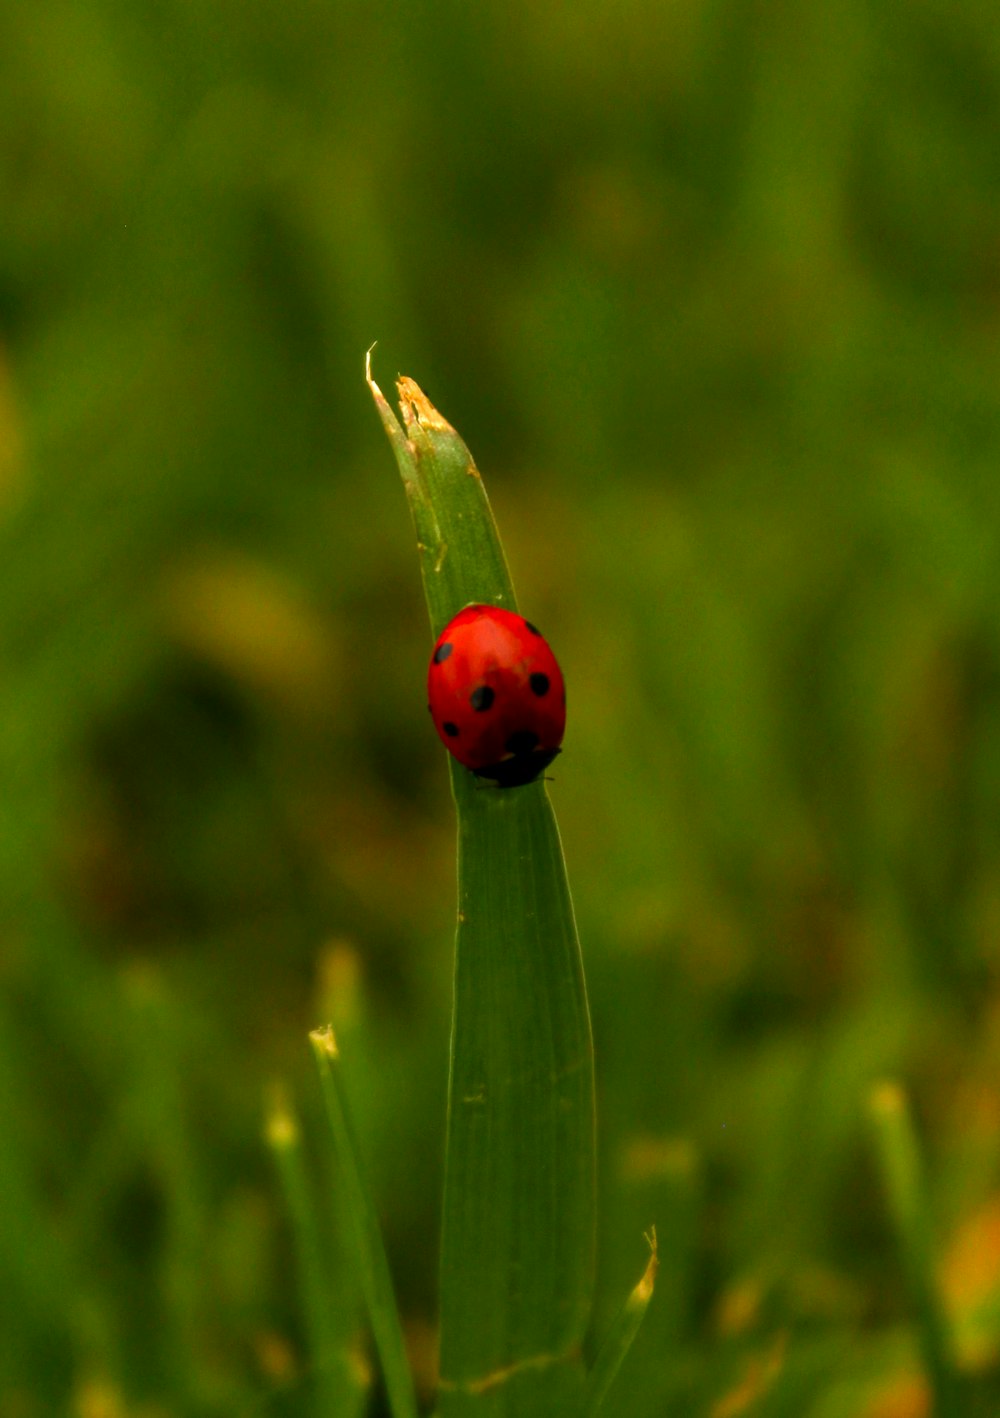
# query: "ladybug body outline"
{"type": "Point", "coordinates": [497, 695]}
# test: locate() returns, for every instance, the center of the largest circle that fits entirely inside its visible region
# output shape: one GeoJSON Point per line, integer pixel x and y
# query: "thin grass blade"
{"type": "Point", "coordinates": [373, 1264]}
{"type": "Point", "coordinates": [909, 1209]}
{"type": "Point", "coordinates": [340, 1383]}
{"type": "Point", "coordinates": [619, 1338]}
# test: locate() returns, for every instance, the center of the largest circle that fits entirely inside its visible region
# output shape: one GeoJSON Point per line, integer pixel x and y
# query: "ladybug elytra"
{"type": "Point", "coordinates": [496, 695]}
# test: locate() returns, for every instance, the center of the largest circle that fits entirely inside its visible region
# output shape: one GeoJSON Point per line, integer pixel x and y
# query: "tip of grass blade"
{"type": "Point", "coordinates": [643, 1292]}
{"type": "Point", "coordinates": [417, 410]}
{"type": "Point", "coordinates": [394, 429]}
{"type": "Point", "coordinates": [324, 1041]}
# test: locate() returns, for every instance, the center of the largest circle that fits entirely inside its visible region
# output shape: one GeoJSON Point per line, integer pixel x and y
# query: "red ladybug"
{"type": "Point", "coordinates": [497, 695]}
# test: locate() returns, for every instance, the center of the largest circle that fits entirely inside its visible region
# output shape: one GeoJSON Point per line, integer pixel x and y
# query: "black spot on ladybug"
{"type": "Point", "coordinates": [481, 698]}
{"type": "Point", "coordinates": [522, 741]}
{"type": "Point", "coordinates": [533, 628]}
{"type": "Point", "coordinates": [450, 729]}
{"type": "Point", "coordinates": [539, 684]}
{"type": "Point", "coordinates": [442, 652]}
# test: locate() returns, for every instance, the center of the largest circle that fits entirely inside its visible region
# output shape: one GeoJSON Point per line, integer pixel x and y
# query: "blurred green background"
{"type": "Point", "coordinates": [712, 290]}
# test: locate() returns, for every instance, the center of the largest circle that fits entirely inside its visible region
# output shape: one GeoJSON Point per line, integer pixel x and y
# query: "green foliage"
{"type": "Point", "coordinates": [711, 290]}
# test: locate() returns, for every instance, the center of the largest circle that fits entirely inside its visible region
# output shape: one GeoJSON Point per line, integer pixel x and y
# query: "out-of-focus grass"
{"type": "Point", "coordinates": [713, 294]}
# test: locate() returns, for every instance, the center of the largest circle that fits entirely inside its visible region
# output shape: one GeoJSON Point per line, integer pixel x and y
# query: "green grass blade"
{"type": "Point", "coordinates": [903, 1178]}
{"type": "Point", "coordinates": [340, 1383]}
{"type": "Point", "coordinates": [619, 1338]}
{"type": "Point", "coordinates": [518, 1219]}
{"type": "Point", "coordinates": [373, 1265]}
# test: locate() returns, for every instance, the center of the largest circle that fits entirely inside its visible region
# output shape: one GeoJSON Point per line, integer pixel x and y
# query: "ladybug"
{"type": "Point", "coordinates": [497, 695]}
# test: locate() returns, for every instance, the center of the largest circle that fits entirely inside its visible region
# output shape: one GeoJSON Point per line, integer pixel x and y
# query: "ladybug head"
{"type": "Point", "coordinates": [519, 768]}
